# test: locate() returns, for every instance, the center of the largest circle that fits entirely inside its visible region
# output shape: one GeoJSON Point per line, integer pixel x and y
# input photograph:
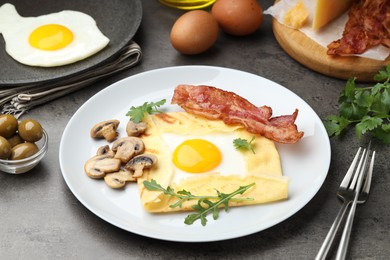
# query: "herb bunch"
{"type": "Point", "coordinates": [365, 108]}
{"type": "Point", "coordinates": [205, 205]}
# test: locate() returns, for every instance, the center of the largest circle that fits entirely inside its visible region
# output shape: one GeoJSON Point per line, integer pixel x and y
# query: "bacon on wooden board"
{"type": "Point", "coordinates": [368, 25]}
{"type": "Point", "coordinates": [214, 103]}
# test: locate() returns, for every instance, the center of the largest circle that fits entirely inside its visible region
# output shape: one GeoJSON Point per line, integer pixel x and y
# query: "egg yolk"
{"type": "Point", "coordinates": [196, 156]}
{"type": "Point", "coordinates": [50, 37]}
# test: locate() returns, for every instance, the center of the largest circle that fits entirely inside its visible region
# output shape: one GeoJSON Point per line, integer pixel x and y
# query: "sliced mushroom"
{"type": "Point", "coordinates": [135, 129]}
{"type": "Point", "coordinates": [97, 166]}
{"type": "Point", "coordinates": [106, 130]}
{"type": "Point", "coordinates": [141, 162]}
{"type": "Point", "coordinates": [117, 180]}
{"type": "Point", "coordinates": [127, 147]}
{"type": "Point", "coordinates": [104, 150]}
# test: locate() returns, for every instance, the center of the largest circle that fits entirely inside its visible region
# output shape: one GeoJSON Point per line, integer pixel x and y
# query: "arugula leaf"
{"type": "Point", "coordinates": [136, 114]}
{"type": "Point", "coordinates": [213, 207]}
{"type": "Point", "coordinates": [205, 204]}
{"type": "Point", "coordinates": [365, 108]}
{"type": "Point", "coordinates": [241, 143]}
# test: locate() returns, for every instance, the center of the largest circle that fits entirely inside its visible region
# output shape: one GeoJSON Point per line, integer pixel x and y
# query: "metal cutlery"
{"type": "Point", "coordinates": [347, 192]}
{"type": "Point", "coordinates": [343, 246]}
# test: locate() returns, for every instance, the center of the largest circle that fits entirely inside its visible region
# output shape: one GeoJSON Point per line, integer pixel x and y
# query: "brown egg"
{"type": "Point", "coordinates": [194, 32]}
{"type": "Point", "coordinates": [238, 17]}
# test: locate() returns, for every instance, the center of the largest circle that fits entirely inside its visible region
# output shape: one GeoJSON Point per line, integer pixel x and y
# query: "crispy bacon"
{"type": "Point", "coordinates": [214, 103]}
{"type": "Point", "coordinates": [368, 26]}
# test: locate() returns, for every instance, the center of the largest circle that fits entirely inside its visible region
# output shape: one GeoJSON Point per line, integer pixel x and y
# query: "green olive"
{"type": "Point", "coordinates": [23, 150]}
{"type": "Point", "coordinates": [30, 130]}
{"type": "Point", "coordinates": [14, 140]}
{"type": "Point", "coordinates": [5, 148]}
{"type": "Point", "coordinates": [8, 125]}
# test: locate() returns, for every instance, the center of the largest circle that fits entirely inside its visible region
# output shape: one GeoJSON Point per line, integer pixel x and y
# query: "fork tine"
{"type": "Point", "coordinates": [367, 184]}
{"type": "Point", "coordinates": [365, 168]}
{"type": "Point", "coordinates": [347, 178]}
{"type": "Point", "coordinates": [361, 168]}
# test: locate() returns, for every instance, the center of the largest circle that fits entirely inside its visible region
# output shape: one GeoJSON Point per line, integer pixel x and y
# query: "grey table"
{"type": "Point", "coordinates": [41, 219]}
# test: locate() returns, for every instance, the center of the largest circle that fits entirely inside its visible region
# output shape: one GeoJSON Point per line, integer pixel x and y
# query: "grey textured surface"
{"type": "Point", "coordinates": [41, 219]}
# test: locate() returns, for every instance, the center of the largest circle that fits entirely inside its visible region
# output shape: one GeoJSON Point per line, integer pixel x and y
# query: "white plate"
{"type": "Point", "coordinates": [305, 163]}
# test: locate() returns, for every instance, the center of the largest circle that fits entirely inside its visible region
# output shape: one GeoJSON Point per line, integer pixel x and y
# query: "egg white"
{"type": "Point", "coordinates": [232, 162]}
{"type": "Point", "coordinates": [88, 39]}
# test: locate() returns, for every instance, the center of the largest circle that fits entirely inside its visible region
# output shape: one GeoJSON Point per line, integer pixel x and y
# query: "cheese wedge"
{"type": "Point", "coordinates": [328, 10]}
{"type": "Point", "coordinates": [297, 16]}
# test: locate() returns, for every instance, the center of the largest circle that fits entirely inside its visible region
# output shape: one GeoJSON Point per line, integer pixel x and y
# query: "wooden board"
{"type": "Point", "coordinates": [312, 55]}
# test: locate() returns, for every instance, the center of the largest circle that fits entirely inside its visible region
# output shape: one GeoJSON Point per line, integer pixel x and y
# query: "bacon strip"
{"type": "Point", "coordinates": [368, 26]}
{"type": "Point", "coordinates": [214, 103]}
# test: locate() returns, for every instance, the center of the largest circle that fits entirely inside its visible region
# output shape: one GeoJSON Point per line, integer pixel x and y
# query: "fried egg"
{"type": "Point", "coordinates": [203, 154]}
{"type": "Point", "coordinates": [198, 155]}
{"type": "Point", "coordinates": [50, 40]}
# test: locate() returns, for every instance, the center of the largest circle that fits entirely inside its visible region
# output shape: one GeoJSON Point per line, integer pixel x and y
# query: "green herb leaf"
{"type": "Point", "coordinates": [383, 75]}
{"type": "Point", "coordinates": [365, 108]}
{"type": "Point", "coordinates": [136, 114]}
{"type": "Point", "coordinates": [367, 124]}
{"type": "Point", "coordinates": [205, 205]}
{"type": "Point", "coordinates": [153, 186]}
{"type": "Point", "coordinates": [382, 133]}
{"type": "Point", "coordinates": [213, 207]}
{"type": "Point", "coordinates": [240, 143]}
{"type": "Point", "coordinates": [336, 124]}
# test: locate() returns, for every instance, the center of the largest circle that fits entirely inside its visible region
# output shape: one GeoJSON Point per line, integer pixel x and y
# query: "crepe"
{"type": "Point", "coordinates": [262, 168]}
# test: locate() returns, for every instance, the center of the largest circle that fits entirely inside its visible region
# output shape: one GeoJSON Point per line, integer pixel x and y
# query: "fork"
{"type": "Point", "coordinates": [343, 246]}
{"type": "Point", "coordinates": [346, 193]}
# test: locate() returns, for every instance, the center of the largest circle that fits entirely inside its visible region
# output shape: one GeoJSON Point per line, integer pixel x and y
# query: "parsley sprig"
{"type": "Point", "coordinates": [365, 108]}
{"type": "Point", "coordinates": [136, 114]}
{"type": "Point", "coordinates": [240, 143]}
{"type": "Point", "coordinates": [205, 205]}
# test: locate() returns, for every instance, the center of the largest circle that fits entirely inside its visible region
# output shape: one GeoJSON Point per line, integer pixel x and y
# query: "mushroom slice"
{"type": "Point", "coordinates": [135, 129]}
{"type": "Point", "coordinates": [104, 150]}
{"type": "Point", "coordinates": [97, 166]}
{"type": "Point", "coordinates": [126, 148]}
{"type": "Point", "coordinates": [117, 180]}
{"type": "Point", "coordinates": [106, 130]}
{"type": "Point", "coordinates": [141, 162]}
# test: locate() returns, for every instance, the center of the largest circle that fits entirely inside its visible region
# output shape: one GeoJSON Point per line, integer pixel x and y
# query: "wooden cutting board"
{"type": "Point", "coordinates": [312, 55]}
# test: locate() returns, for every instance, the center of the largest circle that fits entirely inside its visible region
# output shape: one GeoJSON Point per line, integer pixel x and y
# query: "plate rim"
{"type": "Point", "coordinates": [141, 74]}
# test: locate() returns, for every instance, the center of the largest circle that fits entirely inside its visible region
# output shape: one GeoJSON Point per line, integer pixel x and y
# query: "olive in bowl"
{"type": "Point", "coordinates": [8, 125]}
{"type": "Point", "coordinates": [24, 146]}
